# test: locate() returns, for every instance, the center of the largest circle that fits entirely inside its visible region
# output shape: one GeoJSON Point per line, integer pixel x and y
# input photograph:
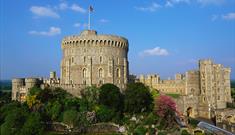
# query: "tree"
{"type": "Point", "coordinates": [70, 117]}
{"type": "Point", "coordinates": [165, 107]}
{"type": "Point", "coordinates": [111, 97]}
{"type": "Point", "coordinates": [137, 98]}
{"type": "Point", "coordinates": [54, 109]}
{"type": "Point", "coordinates": [13, 121]}
{"type": "Point", "coordinates": [104, 114]}
{"type": "Point", "coordinates": [33, 125]}
{"type": "Point", "coordinates": [91, 94]}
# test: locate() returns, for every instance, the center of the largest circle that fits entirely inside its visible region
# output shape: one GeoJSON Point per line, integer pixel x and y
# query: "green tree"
{"type": "Point", "coordinates": [104, 114]}
{"type": "Point", "coordinates": [54, 109]}
{"type": "Point", "coordinates": [137, 98]}
{"type": "Point", "coordinates": [91, 94]}
{"type": "Point", "coordinates": [33, 125]}
{"type": "Point", "coordinates": [111, 97]}
{"type": "Point", "coordinates": [13, 121]}
{"type": "Point", "coordinates": [71, 118]}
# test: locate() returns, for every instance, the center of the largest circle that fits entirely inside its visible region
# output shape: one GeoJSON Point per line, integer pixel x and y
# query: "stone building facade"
{"type": "Point", "coordinates": [202, 91]}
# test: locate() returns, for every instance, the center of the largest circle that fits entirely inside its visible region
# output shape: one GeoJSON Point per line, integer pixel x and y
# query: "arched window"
{"type": "Point", "coordinates": [100, 73]}
{"type": "Point", "coordinates": [84, 73]}
{"type": "Point", "coordinates": [101, 59]}
{"type": "Point", "coordinates": [118, 72]}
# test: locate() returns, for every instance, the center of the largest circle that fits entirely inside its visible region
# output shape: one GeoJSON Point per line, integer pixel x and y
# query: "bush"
{"type": "Point", "coordinates": [111, 97]}
{"type": "Point", "coordinates": [185, 132]}
{"type": "Point", "coordinates": [140, 130]}
{"type": "Point", "coordinates": [137, 98]}
{"type": "Point", "coordinates": [70, 117]}
{"type": "Point", "coordinates": [104, 114]}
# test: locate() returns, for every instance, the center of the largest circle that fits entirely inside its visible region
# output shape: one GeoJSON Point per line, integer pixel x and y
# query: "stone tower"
{"type": "Point", "coordinates": [92, 59]}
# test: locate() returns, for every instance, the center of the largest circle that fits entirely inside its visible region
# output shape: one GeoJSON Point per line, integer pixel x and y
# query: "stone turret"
{"type": "Point", "coordinates": [17, 84]}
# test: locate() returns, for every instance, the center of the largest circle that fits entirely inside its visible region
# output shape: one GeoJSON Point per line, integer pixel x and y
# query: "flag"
{"type": "Point", "coordinates": [90, 8]}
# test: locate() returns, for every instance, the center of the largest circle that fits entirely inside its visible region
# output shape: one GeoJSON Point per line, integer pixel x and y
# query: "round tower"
{"type": "Point", "coordinates": [93, 59]}
{"type": "Point", "coordinates": [31, 82]}
{"type": "Point", "coordinates": [16, 85]}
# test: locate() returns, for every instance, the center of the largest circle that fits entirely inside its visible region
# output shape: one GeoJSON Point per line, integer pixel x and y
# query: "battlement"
{"type": "Point", "coordinates": [89, 37]}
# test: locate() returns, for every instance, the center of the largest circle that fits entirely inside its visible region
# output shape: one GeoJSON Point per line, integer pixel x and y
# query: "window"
{"type": "Point", "coordinates": [84, 82]}
{"type": "Point", "coordinates": [100, 73]}
{"type": "Point", "coordinates": [118, 72]}
{"type": "Point", "coordinates": [101, 59]}
{"type": "Point", "coordinates": [72, 60]}
{"type": "Point", "coordinates": [84, 73]}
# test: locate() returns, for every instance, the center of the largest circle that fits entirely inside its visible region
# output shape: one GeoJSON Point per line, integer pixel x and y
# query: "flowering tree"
{"type": "Point", "coordinates": [165, 107]}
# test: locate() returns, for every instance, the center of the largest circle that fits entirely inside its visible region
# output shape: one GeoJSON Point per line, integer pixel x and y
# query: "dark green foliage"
{"type": "Point", "coordinates": [54, 109]}
{"type": "Point", "coordinates": [33, 125]}
{"type": "Point", "coordinates": [185, 132]}
{"type": "Point", "coordinates": [70, 117]}
{"type": "Point", "coordinates": [151, 119]}
{"type": "Point", "coordinates": [138, 98]}
{"type": "Point", "coordinates": [140, 130]}
{"type": "Point", "coordinates": [34, 91]}
{"type": "Point", "coordinates": [104, 114]}
{"type": "Point", "coordinates": [13, 121]}
{"type": "Point", "coordinates": [111, 97]}
{"type": "Point", "coordinates": [5, 97]}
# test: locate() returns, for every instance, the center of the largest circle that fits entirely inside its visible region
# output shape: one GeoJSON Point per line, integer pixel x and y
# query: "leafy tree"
{"type": "Point", "coordinates": [54, 109]}
{"type": "Point", "coordinates": [111, 97]}
{"type": "Point", "coordinates": [104, 114]}
{"type": "Point", "coordinates": [13, 121]}
{"type": "Point", "coordinates": [91, 94]}
{"type": "Point", "coordinates": [137, 98]}
{"type": "Point", "coordinates": [34, 91]}
{"type": "Point", "coordinates": [70, 117]}
{"type": "Point", "coordinates": [33, 125]}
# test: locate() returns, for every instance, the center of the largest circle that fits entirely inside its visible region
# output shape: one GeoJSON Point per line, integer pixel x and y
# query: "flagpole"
{"type": "Point", "coordinates": [89, 20]}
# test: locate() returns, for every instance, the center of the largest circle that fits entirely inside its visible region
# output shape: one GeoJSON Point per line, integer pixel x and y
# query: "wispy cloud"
{"type": "Point", "coordinates": [152, 8]}
{"type": "Point", "coordinates": [77, 25]}
{"type": "Point", "coordinates": [63, 6]}
{"type": "Point", "coordinates": [41, 11]}
{"type": "Point", "coordinates": [229, 16]}
{"type": "Point", "coordinates": [103, 20]}
{"type": "Point", "coordinates": [157, 51]}
{"type": "Point", "coordinates": [51, 32]}
{"type": "Point", "coordinates": [78, 8]}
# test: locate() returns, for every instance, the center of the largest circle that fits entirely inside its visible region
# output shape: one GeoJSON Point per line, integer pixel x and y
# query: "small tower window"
{"type": "Point", "coordinates": [101, 59]}
{"type": "Point", "coordinates": [84, 73]}
{"type": "Point", "coordinates": [118, 72]}
{"type": "Point", "coordinates": [100, 73]}
{"type": "Point", "coordinates": [84, 59]}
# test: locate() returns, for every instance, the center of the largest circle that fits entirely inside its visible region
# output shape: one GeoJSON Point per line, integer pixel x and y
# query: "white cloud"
{"type": "Point", "coordinates": [78, 8]}
{"type": "Point", "coordinates": [157, 51]}
{"type": "Point", "coordinates": [229, 16]}
{"type": "Point", "coordinates": [152, 8]}
{"type": "Point", "coordinates": [169, 4]}
{"type": "Point", "coordinates": [63, 6]}
{"type": "Point", "coordinates": [103, 20]}
{"type": "Point", "coordinates": [52, 32]}
{"type": "Point", "coordinates": [180, 1]}
{"type": "Point", "coordinates": [77, 25]}
{"type": "Point", "coordinates": [44, 11]}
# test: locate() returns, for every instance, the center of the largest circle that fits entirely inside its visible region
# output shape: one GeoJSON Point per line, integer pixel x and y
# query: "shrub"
{"type": "Point", "coordinates": [137, 98]}
{"type": "Point", "coordinates": [111, 97]}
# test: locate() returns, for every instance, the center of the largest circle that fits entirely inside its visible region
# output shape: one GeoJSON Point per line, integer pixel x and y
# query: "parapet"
{"type": "Point", "coordinates": [31, 80]}
{"type": "Point", "coordinates": [18, 80]}
{"type": "Point", "coordinates": [90, 37]}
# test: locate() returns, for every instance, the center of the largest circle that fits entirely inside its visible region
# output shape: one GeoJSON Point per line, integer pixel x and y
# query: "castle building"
{"type": "Point", "coordinates": [88, 59]}
{"type": "Point", "coordinates": [92, 59]}
{"type": "Point", "coordinates": [202, 91]}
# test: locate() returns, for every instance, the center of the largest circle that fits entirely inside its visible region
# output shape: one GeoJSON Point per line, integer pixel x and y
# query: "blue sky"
{"type": "Point", "coordinates": [165, 36]}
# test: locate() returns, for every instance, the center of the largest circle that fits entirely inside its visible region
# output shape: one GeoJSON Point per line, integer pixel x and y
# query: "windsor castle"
{"type": "Point", "coordinates": [93, 59]}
